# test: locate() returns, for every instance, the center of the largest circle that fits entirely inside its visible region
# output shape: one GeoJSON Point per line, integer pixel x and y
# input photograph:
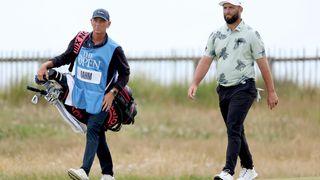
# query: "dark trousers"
{"type": "Point", "coordinates": [235, 102]}
{"type": "Point", "coordinates": [96, 144]}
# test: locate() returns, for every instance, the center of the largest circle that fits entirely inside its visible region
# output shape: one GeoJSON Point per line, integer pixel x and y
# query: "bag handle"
{"type": "Point", "coordinates": [81, 36]}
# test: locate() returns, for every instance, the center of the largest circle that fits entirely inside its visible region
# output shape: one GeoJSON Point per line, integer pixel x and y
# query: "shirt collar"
{"type": "Point", "coordinates": [91, 44]}
{"type": "Point", "coordinates": [238, 28]}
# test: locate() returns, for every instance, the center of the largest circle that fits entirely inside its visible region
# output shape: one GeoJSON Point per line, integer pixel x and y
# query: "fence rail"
{"type": "Point", "coordinates": [173, 69]}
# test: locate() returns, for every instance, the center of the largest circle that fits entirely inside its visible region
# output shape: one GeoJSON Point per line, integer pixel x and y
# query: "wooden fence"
{"type": "Point", "coordinates": [171, 69]}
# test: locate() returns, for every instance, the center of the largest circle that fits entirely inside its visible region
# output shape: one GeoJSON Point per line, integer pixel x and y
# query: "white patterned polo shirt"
{"type": "Point", "coordinates": [235, 53]}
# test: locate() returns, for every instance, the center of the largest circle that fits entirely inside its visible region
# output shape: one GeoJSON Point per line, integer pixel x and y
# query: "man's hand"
{"type": "Point", "coordinates": [43, 70]}
{"type": "Point", "coordinates": [192, 91]}
{"type": "Point", "coordinates": [107, 101]}
{"type": "Point", "coordinates": [42, 73]}
{"type": "Point", "coordinates": [201, 70]}
{"type": "Point", "coordinates": [273, 100]}
{"type": "Point", "coordinates": [266, 75]}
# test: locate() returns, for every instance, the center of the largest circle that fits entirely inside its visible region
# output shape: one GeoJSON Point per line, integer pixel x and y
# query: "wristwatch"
{"type": "Point", "coordinates": [114, 92]}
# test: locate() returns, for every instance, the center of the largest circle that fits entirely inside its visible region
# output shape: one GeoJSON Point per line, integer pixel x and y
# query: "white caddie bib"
{"type": "Point", "coordinates": [89, 76]}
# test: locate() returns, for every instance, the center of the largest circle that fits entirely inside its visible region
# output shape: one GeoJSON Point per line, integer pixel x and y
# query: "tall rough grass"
{"type": "Point", "coordinates": [173, 137]}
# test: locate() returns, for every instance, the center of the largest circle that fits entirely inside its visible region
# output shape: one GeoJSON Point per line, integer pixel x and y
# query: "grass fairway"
{"type": "Point", "coordinates": [300, 178]}
{"type": "Point", "coordinates": [173, 138]}
{"type": "Point", "coordinates": [64, 177]}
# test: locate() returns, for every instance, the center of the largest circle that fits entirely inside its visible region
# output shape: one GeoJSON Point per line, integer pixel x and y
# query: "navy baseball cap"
{"type": "Point", "coordinates": [101, 13]}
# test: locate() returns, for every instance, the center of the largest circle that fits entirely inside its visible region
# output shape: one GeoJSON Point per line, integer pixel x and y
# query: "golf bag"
{"type": "Point", "coordinates": [122, 111]}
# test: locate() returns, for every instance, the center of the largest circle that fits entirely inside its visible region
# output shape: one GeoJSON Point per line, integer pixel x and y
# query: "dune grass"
{"type": "Point", "coordinates": [173, 137]}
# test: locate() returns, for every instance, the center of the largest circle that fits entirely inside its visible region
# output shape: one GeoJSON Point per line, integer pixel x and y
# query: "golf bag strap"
{"type": "Point", "coordinates": [80, 38]}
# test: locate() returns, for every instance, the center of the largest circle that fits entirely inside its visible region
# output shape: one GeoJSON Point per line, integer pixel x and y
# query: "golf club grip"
{"type": "Point", "coordinates": [42, 92]}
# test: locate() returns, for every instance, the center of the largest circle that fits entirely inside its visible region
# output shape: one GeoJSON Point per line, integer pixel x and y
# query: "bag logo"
{"type": "Point", "coordinates": [82, 35]}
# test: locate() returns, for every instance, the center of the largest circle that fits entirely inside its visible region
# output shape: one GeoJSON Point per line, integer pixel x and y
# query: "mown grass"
{"type": "Point", "coordinates": [62, 177]}
{"type": "Point", "coordinates": [173, 137]}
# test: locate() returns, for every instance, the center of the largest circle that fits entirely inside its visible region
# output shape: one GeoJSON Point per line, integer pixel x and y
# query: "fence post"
{"type": "Point", "coordinates": [316, 67]}
{"type": "Point", "coordinates": [271, 61]}
{"type": "Point", "coordinates": [195, 63]}
{"type": "Point", "coordinates": [303, 67]}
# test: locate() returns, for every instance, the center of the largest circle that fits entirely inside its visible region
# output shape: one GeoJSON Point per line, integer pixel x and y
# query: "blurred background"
{"type": "Point", "coordinates": [173, 137]}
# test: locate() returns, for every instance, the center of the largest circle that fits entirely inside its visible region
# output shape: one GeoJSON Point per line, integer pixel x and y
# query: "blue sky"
{"type": "Point", "coordinates": [148, 26]}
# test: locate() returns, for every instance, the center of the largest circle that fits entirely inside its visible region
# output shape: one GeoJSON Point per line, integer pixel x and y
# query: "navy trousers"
{"type": "Point", "coordinates": [96, 144]}
{"type": "Point", "coordinates": [235, 102]}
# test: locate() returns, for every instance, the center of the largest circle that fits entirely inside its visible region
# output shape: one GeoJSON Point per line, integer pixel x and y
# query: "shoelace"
{"type": "Point", "coordinates": [225, 173]}
{"type": "Point", "coordinates": [243, 172]}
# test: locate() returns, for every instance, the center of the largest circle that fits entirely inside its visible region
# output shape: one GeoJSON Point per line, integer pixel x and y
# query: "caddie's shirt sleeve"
{"type": "Point", "coordinates": [65, 58]}
{"type": "Point", "coordinates": [120, 64]}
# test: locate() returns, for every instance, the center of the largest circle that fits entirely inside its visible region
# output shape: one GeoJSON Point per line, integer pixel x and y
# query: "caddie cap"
{"type": "Point", "coordinates": [101, 13]}
{"type": "Point", "coordinates": [233, 2]}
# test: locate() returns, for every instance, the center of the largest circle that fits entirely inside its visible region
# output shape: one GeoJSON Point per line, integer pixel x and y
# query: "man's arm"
{"type": "Point", "coordinates": [119, 63]}
{"type": "Point", "coordinates": [122, 66]}
{"type": "Point", "coordinates": [43, 70]}
{"type": "Point", "coordinates": [201, 70]}
{"type": "Point", "coordinates": [272, 98]}
{"type": "Point", "coordinates": [64, 58]}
